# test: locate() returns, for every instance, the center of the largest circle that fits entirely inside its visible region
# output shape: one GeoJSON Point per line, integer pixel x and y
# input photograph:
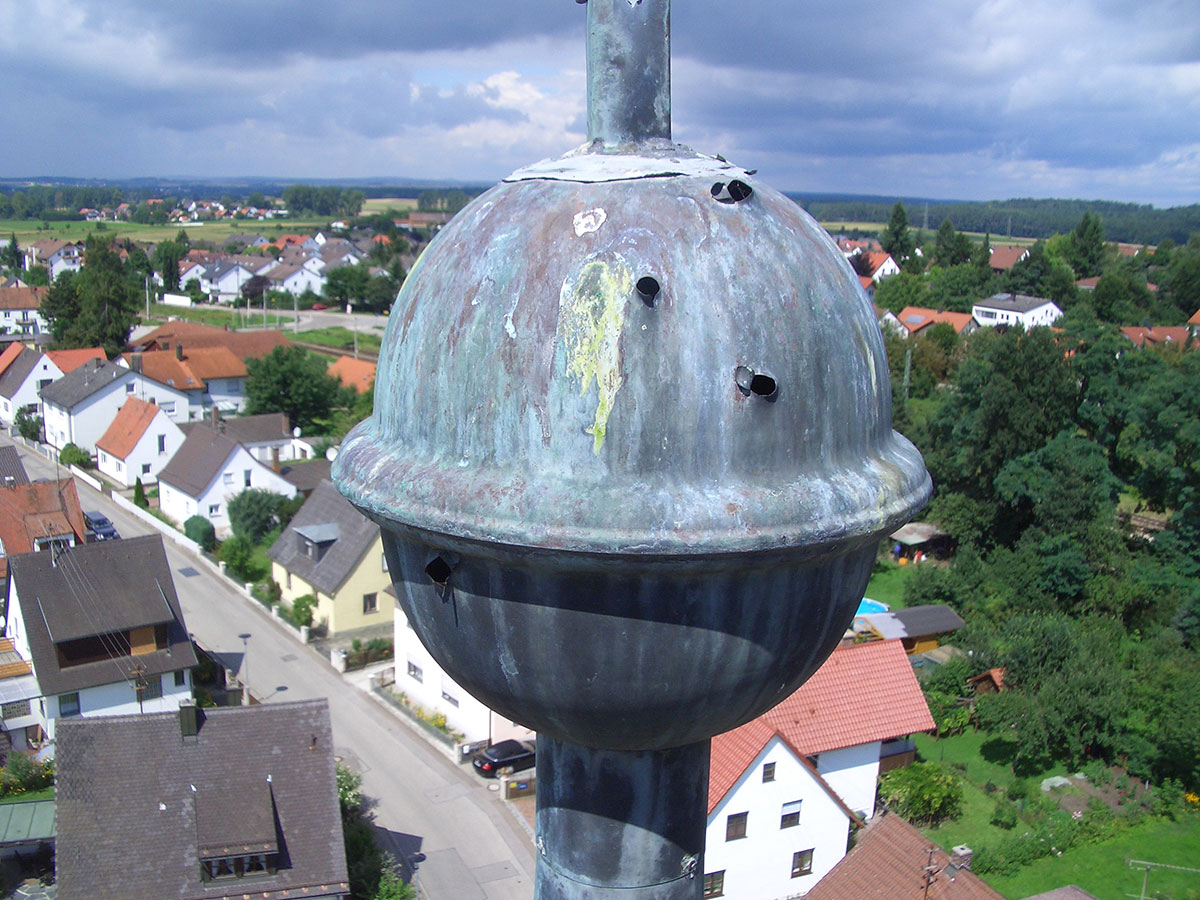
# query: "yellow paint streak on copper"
{"type": "Point", "coordinates": [591, 317]}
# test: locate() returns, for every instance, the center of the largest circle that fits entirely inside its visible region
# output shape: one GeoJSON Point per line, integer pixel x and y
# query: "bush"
{"type": "Point", "coordinates": [253, 513]}
{"type": "Point", "coordinates": [1004, 816]}
{"type": "Point", "coordinates": [139, 495]}
{"type": "Point", "coordinates": [302, 610]}
{"type": "Point", "coordinates": [237, 553]}
{"type": "Point", "coordinates": [28, 425]}
{"type": "Point", "coordinates": [200, 530]}
{"type": "Point", "coordinates": [70, 455]}
{"type": "Point", "coordinates": [1018, 789]}
{"type": "Point", "coordinates": [923, 792]}
{"type": "Point", "coordinates": [22, 774]}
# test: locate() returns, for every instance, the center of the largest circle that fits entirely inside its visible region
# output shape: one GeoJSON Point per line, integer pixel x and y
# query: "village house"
{"type": "Point", "coordinates": [916, 319]}
{"type": "Point", "coordinates": [38, 517]}
{"type": "Point", "coordinates": [1004, 257]}
{"type": "Point", "coordinates": [241, 802]}
{"type": "Point", "coordinates": [203, 376]}
{"type": "Point", "coordinates": [892, 859]}
{"type": "Point", "coordinates": [101, 627]}
{"type": "Point", "coordinates": [266, 436]}
{"type": "Point", "coordinates": [919, 628]}
{"type": "Point", "coordinates": [57, 256]}
{"type": "Point", "coordinates": [23, 373]}
{"type": "Point", "coordinates": [334, 553]}
{"type": "Point", "coordinates": [210, 469]}
{"type": "Point", "coordinates": [20, 310]}
{"type": "Point", "coordinates": [1161, 336]}
{"type": "Point", "coordinates": [785, 788]}
{"type": "Point", "coordinates": [139, 442]}
{"type": "Point", "coordinates": [79, 406]}
{"type": "Point", "coordinates": [243, 344]}
{"type": "Point", "coordinates": [356, 373]}
{"type": "Point", "coordinates": [1016, 309]}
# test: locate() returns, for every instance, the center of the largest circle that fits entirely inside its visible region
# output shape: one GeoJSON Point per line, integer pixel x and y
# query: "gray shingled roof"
{"type": "Point", "coordinates": [137, 802]}
{"type": "Point", "coordinates": [264, 428]}
{"type": "Point", "coordinates": [306, 476]}
{"type": "Point", "coordinates": [1020, 303]}
{"type": "Point", "coordinates": [198, 460]}
{"type": "Point", "coordinates": [355, 535]}
{"type": "Point", "coordinates": [79, 384]}
{"type": "Point", "coordinates": [916, 621]}
{"type": "Point", "coordinates": [11, 466]}
{"type": "Point", "coordinates": [96, 589]}
{"type": "Point", "coordinates": [18, 370]}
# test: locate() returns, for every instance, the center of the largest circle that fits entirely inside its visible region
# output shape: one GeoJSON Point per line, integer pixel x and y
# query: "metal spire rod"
{"type": "Point", "coordinates": [629, 71]}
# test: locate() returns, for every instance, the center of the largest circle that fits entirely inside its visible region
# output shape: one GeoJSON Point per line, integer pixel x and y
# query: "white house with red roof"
{"type": "Point", "coordinates": [917, 318]}
{"type": "Point", "coordinates": [139, 442]}
{"type": "Point", "coordinates": [20, 310]}
{"type": "Point", "coordinates": [784, 788]}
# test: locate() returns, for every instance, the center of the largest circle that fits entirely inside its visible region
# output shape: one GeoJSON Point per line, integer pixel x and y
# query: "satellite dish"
{"type": "Point", "coordinates": [296, 432]}
{"type": "Point", "coordinates": [331, 454]}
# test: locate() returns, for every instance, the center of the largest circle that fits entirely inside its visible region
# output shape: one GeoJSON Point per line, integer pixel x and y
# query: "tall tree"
{"type": "Point", "coordinates": [10, 256]}
{"type": "Point", "coordinates": [96, 306]}
{"type": "Point", "coordinates": [1085, 247]}
{"type": "Point", "coordinates": [167, 256]}
{"type": "Point", "coordinates": [895, 238]}
{"type": "Point", "coordinates": [294, 381]}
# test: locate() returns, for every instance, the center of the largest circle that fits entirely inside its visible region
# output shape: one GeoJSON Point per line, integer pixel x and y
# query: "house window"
{"type": "Point", "coordinates": [714, 884]}
{"type": "Point", "coordinates": [129, 387]}
{"type": "Point", "coordinates": [68, 705]}
{"type": "Point", "coordinates": [145, 468]}
{"type": "Point", "coordinates": [103, 457]}
{"type": "Point", "coordinates": [768, 772]}
{"type": "Point", "coordinates": [181, 678]}
{"type": "Point", "coordinates": [450, 698]}
{"type": "Point", "coordinates": [790, 816]}
{"type": "Point", "coordinates": [370, 603]}
{"type": "Point", "coordinates": [153, 688]}
{"type": "Point", "coordinates": [414, 672]}
{"type": "Point", "coordinates": [14, 710]}
{"type": "Point", "coordinates": [246, 477]}
{"type": "Point", "coordinates": [162, 444]}
{"type": "Point", "coordinates": [214, 509]}
{"type": "Point", "coordinates": [168, 407]}
{"type": "Point", "coordinates": [227, 478]}
{"type": "Point", "coordinates": [735, 826]}
{"type": "Point", "coordinates": [288, 580]}
{"type": "Point", "coordinates": [801, 863]}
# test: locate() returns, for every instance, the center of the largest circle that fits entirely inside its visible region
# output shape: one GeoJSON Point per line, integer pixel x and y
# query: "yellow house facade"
{"type": "Point", "coordinates": [333, 552]}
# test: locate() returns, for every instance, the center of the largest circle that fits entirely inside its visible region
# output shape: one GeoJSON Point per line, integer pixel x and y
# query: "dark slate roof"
{"type": "Point", "coordinates": [306, 476]}
{"type": "Point", "coordinates": [198, 460]}
{"type": "Point", "coordinates": [139, 805]}
{"type": "Point", "coordinates": [264, 428]}
{"type": "Point", "coordinates": [11, 466]}
{"type": "Point", "coordinates": [916, 621]}
{"type": "Point", "coordinates": [81, 383]}
{"type": "Point", "coordinates": [96, 589]}
{"type": "Point", "coordinates": [355, 535]}
{"type": "Point", "coordinates": [18, 370]}
{"type": "Point", "coordinates": [1020, 303]}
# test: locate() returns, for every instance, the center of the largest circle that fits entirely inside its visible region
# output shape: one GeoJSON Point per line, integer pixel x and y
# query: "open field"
{"type": "Point", "coordinates": [217, 233]}
{"type": "Point", "coordinates": [383, 204]}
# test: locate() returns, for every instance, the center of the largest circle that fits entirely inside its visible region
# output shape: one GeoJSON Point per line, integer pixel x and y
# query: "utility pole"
{"type": "Point", "coordinates": [139, 684]}
{"type": "Point", "coordinates": [245, 636]}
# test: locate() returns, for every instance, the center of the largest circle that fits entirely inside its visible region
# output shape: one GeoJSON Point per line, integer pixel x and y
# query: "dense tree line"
{"type": "Point", "coordinates": [332, 201]}
{"type": "Point", "coordinates": [51, 203]}
{"type": "Point", "coordinates": [1128, 222]}
{"type": "Point", "coordinates": [1032, 439]}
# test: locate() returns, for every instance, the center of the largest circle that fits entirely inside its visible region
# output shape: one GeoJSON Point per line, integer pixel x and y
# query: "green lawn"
{"type": "Point", "coordinates": [342, 338]}
{"type": "Point", "coordinates": [887, 586]}
{"type": "Point", "coordinates": [1101, 868]}
{"type": "Point", "coordinates": [46, 793]}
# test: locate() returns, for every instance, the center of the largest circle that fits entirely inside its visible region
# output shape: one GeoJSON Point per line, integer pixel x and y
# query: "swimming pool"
{"type": "Point", "coordinates": [867, 606]}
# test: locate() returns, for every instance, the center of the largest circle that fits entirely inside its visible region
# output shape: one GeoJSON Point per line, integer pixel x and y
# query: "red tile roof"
{"type": "Point", "coordinates": [1088, 284]}
{"type": "Point", "coordinates": [356, 373]}
{"type": "Point", "coordinates": [243, 344]}
{"type": "Point", "coordinates": [1160, 334]}
{"type": "Point", "coordinates": [1195, 319]}
{"type": "Point", "coordinates": [37, 510]}
{"type": "Point", "coordinates": [70, 360]}
{"type": "Point", "coordinates": [127, 428]}
{"type": "Point", "coordinates": [914, 318]}
{"type": "Point", "coordinates": [877, 260]}
{"type": "Point", "coordinates": [889, 861]}
{"type": "Point", "coordinates": [1004, 257]}
{"type": "Point", "coordinates": [866, 281]}
{"type": "Point", "coordinates": [22, 297]}
{"type": "Point", "coordinates": [863, 693]}
{"type": "Point", "coordinates": [11, 352]}
{"type": "Point", "coordinates": [192, 371]}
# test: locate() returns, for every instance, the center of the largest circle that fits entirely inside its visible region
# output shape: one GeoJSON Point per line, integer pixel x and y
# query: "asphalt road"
{"type": "Point", "coordinates": [468, 846]}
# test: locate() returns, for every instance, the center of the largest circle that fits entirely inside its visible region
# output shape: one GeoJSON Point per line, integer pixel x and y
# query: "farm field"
{"type": "Point", "coordinates": [383, 204]}
{"type": "Point", "coordinates": [29, 230]}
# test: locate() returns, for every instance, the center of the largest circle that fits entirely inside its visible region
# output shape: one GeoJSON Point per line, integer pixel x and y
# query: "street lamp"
{"type": "Point", "coordinates": [245, 636]}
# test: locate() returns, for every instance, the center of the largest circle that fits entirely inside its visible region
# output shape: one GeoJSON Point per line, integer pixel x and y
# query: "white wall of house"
{"type": "Point", "coordinates": [887, 270]}
{"type": "Point", "coordinates": [240, 472]}
{"type": "Point", "coordinates": [226, 393]}
{"type": "Point", "coordinates": [853, 773]}
{"type": "Point", "coordinates": [88, 420]}
{"type": "Point", "coordinates": [120, 698]}
{"type": "Point", "coordinates": [154, 449]}
{"type": "Point", "coordinates": [66, 259]}
{"type": "Point", "coordinates": [759, 865]}
{"type": "Point", "coordinates": [23, 321]}
{"type": "Point", "coordinates": [230, 283]}
{"type": "Point", "coordinates": [177, 404]}
{"type": "Point", "coordinates": [1044, 315]}
{"type": "Point", "coordinates": [26, 393]}
{"type": "Point", "coordinates": [303, 279]}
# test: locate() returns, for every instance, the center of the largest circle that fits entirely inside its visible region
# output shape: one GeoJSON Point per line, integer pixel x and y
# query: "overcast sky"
{"type": "Point", "coordinates": [945, 99]}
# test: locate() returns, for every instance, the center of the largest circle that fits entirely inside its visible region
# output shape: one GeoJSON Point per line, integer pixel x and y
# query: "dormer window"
{"type": "Point", "coordinates": [315, 540]}
{"type": "Point", "coordinates": [243, 866]}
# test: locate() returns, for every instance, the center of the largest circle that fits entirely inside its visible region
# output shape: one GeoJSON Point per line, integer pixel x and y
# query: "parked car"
{"type": "Point", "coordinates": [504, 757]}
{"type": "Point", "coordinates": [99, 528]}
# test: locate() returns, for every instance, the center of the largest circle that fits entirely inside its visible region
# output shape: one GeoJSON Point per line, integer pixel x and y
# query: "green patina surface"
{"type": "Point", "coordinates": [591, 317]}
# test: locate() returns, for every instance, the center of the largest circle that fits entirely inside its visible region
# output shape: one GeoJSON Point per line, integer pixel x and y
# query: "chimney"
{"type": "Point", "coordinates": [135, 362]}
{"type": "Point", "coordinates": [960, 857]}
{"type": "Point", "coordinates": [178, 350]}
{"type": "Point", "coordinates": [216, 416]}
{"type": "Point", "coordinates": [10, 481]}
{"type": "Point", "coordinates": [191, 717]}
{"type": "Point", "coordinates": [275, 459]}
